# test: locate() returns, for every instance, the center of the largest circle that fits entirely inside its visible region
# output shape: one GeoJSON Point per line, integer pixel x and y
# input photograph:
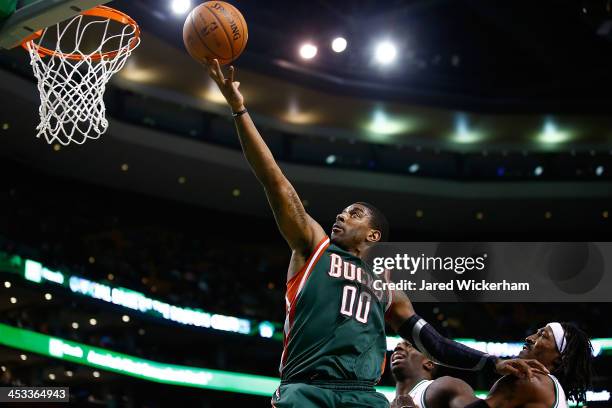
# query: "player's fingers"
{"type": "Point", "coordinates": [232, 73]}
{"type": "Point", "coordinates": [237, 84]}
{"type": "Point", "coordinates": [509, 370]}
{"type": "Point", "coordinates": [536, 365]}
{"type": "Point", "coordinates": [524, 368]}
{"type": "Point", "coordinates": [218, 70]}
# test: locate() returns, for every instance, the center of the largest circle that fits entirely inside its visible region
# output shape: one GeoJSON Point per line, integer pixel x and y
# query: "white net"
{"type": "Point", "coordinates": [72, 79]}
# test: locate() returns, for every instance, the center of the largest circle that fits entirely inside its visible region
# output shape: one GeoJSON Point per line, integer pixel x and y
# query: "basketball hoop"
{"type": "Point", "coordinates": [73, 72]}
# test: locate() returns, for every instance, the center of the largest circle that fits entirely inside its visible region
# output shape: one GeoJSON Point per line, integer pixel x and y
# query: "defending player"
{"type": "Point", "coordinates": [415, 376]}
{"type": "Point", "coordinates": [562, 348]}
{"type": "Point", "coordinates": [335, 343]}
{"type": "Point", "coordinates": [567, 353]}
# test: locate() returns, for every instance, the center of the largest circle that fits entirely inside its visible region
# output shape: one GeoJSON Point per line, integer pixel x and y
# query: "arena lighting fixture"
{"type": "Point", "coordinates": [383, 124]}
{"type": "Point", "coordinates": [7, 284]}
{"type": "Point", "coordinates": [339, 44]}
{"type": "Point", "coordinates": [125, 318]}
{"type": "Point", "coordinates": [13, 300]}
{"type": "Point", "coordinates": [414, 167]}
{"type": "Point", "coordinates": [551, 134]}
{"type": "Point", "coordinates": [93, 321]}
{"type": "Point", "coordinates": [599, 170]}
{"type": "Point", "coordinates": [75, 325]}
{"type": "Point", "coordinates": [266, 329]}
{"type": "Point", "coordinates": [180, 6]}
{"type": "Point", "coordinates": [463, 134]}
{"type": "Point", "coordinates": [385, 53]}
{"type": "Point", "coordinates": [48, 296]}
{"type": "Point", "coordinates": [178, 375]}
{"type": "Point", "coordinates": [137, 73]}
{"type": "Point", "coordinates": [331, 159]}
{"type": "Point", "coordinates": [308, 51]}
{"type": "Point", "coordinates": [538, 171]}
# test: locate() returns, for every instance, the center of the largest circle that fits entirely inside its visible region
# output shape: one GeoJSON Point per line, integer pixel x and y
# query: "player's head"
{"type": "Point", "coordinates": [567, 352]}
{"type": "Point", "coordinates": [358, 223]}
{"type": "Point", "coordinates": [408, 362]}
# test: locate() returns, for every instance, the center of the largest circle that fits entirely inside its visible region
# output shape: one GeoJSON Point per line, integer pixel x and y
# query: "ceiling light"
{"type": "Point", "coordinates": [308, 51]}
{"type": "Point", "coordinates": [93, 321]}
{"type": "Point", "coordinates": [48, 296]}
{"type": "Point", "coordinates": [339, 44]}
{"type": "Point", "coordinates": [180, 6]}
{"type": "Point", "coordinates": [385, 53]}
{"type": "Point", "coordinates": [125, 318]}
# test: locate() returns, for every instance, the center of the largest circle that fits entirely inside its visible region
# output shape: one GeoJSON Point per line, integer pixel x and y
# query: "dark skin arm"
{"type": "Point", "coordinates": [401, 309]}
{"type": "Point", "coordinates": [511, 392]}
{"type": "Point", "coordinates": [449, 392]}
{"type": "Point", "coordinates": [301, 232]}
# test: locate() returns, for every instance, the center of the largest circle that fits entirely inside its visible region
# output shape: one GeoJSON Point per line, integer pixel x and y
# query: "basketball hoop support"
{"type": "Point", "coordinates": [39, 14]}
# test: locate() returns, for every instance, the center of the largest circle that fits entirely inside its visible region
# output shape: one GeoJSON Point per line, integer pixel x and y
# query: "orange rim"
{"type": "Point", "coordinates": [98, 11]}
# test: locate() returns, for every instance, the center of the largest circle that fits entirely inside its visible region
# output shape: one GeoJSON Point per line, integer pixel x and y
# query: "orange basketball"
{"type": "Point", "coordinates": [215, 29]}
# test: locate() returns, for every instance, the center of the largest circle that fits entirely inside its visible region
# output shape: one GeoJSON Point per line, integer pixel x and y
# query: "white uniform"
{"type": "Point", "coordinates": [417, 393]}
{"type": "Point", "coordinates": [560, 398]}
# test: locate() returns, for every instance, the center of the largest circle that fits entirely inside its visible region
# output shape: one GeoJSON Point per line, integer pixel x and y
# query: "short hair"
{"type": "Point", "coordinates": [575, 369]}
{"type": "Point", "coordinates": [378, 221]}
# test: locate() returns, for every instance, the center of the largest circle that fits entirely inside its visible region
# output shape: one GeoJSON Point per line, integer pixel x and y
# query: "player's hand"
{"type": "Point", "coordinates": [227, 86]}
{"type": "Point", "coordinates": [520, 368]}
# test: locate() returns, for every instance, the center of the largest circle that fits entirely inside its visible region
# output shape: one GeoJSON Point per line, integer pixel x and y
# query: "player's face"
{"type": "Point", "coordinates": [352, 226]}
{"type": "Point", "coordinates": [405, 360]}
{"type": "Point", "coordinates": [541, 346]}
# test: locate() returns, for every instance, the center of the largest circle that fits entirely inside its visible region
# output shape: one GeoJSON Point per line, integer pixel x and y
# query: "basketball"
{"type": "Point", "coordinates": [215, 29]}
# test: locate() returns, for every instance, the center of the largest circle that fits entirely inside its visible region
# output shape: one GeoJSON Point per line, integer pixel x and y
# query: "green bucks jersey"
{"type": "Point", "coordinates": [335, 324]}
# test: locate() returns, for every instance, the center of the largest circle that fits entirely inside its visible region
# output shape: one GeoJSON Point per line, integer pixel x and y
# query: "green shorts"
{"type": "Point", "coordinates": [301, 395]}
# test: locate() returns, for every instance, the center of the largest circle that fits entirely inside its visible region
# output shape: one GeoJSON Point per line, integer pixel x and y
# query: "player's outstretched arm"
{"type": "Point", "coordinates": [301, 232]}
{"type": "Point", "coordinates": [402, 318]}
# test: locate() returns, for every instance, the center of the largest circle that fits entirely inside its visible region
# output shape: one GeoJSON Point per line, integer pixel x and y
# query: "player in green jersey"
{"type": "Point", "coordinates": [335, 345]}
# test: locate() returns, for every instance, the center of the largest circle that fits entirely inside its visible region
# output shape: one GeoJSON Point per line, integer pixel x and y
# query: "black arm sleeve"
{"type": "Point", "coordinates": [442, 350]}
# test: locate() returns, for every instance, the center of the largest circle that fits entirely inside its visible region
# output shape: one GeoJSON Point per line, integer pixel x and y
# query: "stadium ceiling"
{"type": "Point", "coordinates": [469, 54]}
{"type": "Point", "coordinates": [470, 74]}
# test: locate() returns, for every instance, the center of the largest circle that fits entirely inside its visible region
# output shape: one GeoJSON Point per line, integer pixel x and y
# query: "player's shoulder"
{"type": "Point", "coordinates": [540, 388]}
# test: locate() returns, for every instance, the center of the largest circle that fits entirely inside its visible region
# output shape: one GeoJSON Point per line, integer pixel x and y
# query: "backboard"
{"type": "Point", "coordinates": [21, 18]}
